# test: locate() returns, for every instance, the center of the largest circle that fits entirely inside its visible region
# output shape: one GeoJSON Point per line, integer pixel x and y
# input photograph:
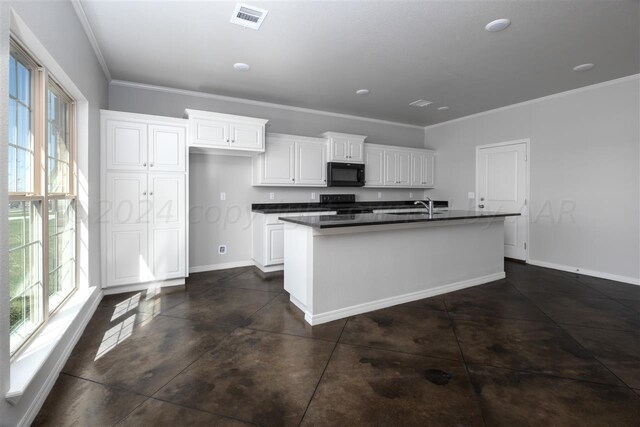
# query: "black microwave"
{"type": "Point", "coordinates": [345, 174]}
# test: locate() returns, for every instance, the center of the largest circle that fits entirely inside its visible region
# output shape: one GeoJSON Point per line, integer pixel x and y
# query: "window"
{"type": "Point", "coordinates": [42, 202]}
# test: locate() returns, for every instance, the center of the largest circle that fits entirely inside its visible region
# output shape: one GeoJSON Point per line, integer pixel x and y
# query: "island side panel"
{"type": "Point", "coordinates": [298, 266]}
{"type": "Point", "coordinates": [360, 272]}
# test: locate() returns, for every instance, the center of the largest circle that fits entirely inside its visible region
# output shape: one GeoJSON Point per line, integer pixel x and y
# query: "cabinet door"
{"type": "Point", "coordinates": [275, 244]}
{"type": "Point", "coordinates": [311, 163]}
{"type": "Point", "coordinates": [167, 149]}
{"type": "Point", "coordinates": [417, 169]}
{"type": "Point", "coordinates": [390, 168]}
{"type": "Point", "coordinates": [404, 168]}
{"type": "Point", "coordinates": [278, 163]}
{"type": "Point", "coordinates": [126, 216]}
{"type": "Point", "coordinates": [247, 136]}
{"type": "Point", "coordinates": [126, 145]}
{"type": "Point", "coordinates": [356, 151]}
{"type": "Point", "coordinates": [210, 133]}
{"type": "Point", "coordinates": [374, 167]}
{"type": "Point", "coordinates": [429, 170]}
{"type": "Point", "coordinates": [167, 243]}
{"type": "Point", "coordinates": [339, 149]}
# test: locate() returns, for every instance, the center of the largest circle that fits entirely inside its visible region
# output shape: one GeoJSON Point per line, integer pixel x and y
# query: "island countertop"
{"type": "Point", "coordinates": [367, 219]}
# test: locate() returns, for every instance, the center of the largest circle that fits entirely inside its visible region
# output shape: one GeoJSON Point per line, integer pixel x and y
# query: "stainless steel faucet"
{"type": "Point", "coordinates": [428, 206]}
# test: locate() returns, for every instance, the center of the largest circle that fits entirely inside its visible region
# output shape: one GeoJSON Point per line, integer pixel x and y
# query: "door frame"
{"type": "Point", "coordinates": [527, 173]}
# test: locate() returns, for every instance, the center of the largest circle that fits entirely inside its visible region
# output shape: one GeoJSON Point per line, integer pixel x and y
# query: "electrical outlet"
{"type": "Point", "coordinates": [272, 196]}
{"type": "Point", "coordinates": [313, 196]}
{"type": "Point", "coordinates": [379, 195]}
{"type": "Point", "coordinates": [222, 249]}
{"type": "Point", "coordinates": [410, 195]}
{"type": "Point", "coordinates": [223, 196]}
{"type": "Point", "coordinates": [471, 195]}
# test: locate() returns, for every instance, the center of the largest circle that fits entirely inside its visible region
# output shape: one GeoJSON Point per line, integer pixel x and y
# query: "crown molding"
{"type": "Point", "coordinates": [82, 17]}
{"type": "Point", "coordinates": [544, 98]}
{"type": "Point", "coordinates": [207, 95]}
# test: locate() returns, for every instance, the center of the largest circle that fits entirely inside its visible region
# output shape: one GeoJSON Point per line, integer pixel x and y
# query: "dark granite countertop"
{"type": "Point", "coordinates": [358, 220]}
{"type": "Point", "coordinates": [270, 208]}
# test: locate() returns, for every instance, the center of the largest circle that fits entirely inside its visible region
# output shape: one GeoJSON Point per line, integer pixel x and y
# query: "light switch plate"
{"type": "Point", "coordinates": [272, 196]}
{"type": "Point", "coordinates": [471, 195]}
{"type": "Point", "coordinates": [410, 195]}
{"type": "Point", "coordinates": [223, 196]}
{"type": "Point", "coordinates": [379, 195]}
{"type": "Point", "coordinates": [313, 196]}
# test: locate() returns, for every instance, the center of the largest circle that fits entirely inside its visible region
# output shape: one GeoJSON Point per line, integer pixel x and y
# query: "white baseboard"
{"type": "Point", "coordinates": [270, 268]}
{"type": "Point", "coordinates": [400, 299]}
{"type": "Point", "coordinates": [222, 266]}
{"type": "Point", "coordinates": [45, 389]}
{"type": "Point", "coordinates": [593, 273]}
{"type": "Point", "coordinates": [143, 286]}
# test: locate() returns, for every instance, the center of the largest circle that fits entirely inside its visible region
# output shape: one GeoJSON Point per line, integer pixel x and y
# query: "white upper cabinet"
{"type": "Point", "coordinates": [344, 147]}
{"type": "Point", "coordinates": [397, 165]}
{"type": "Point", "coordinates": [422, 165]}
{"type": "Point", "coordinates": [226, 131]}
{"type": "Point", "coordinates": [136, 142]}
{"type": "Point", "coordinates": [291, 160]}
{"type": "Point", "coordinates": [311, 163]}
{"type": "Point", "coordinates": [126, 145]}
{"type": "Point", "coordinates": [373, 166]}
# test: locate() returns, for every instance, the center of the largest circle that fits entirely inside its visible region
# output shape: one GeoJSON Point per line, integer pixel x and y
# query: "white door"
{"type": "Point", "coordinates": [167, 243]}
{"type": "Point", "coordinates": [167, 149]}
{"type": "Point", "coordinates": [278, 166]}
{"type": "Point", "coordinates": [275, 244]}
{"type": "Point", "coordinates": [502, 187]}
{"type": "Point", "coordinates": [246, 136]}
{"type": "Point", "coordinates": [390, 168]}
{"type": "Point", "coordinates": [355, 151]}
{"type": "Point", "coordinates": [210, 133]}
{"type": "Point", "coordinates": [339, 149]}
{"type": "Point", "coordinates": [126, 229]}
{"type": "Point", "coordinates": [404, 168]}
{"type": "Point", "coordinates": [373, 167]}
{"type": "Point", "coordinates": [126, 145]}
{"type": "Point", "coordinates": [417, 169]}
{"type": "Point", "coordinates": [311, 163]}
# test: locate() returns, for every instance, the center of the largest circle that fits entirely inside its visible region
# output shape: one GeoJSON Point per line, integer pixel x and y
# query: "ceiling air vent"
{"type": "Point", "coordinates": [420, 103]}
{"type": "Point", "coordinates": [248, 16]}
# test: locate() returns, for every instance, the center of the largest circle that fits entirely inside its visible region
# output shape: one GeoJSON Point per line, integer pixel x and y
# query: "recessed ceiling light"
{"type": "Point", "coordinates": [583, 67]}
{"type": "Point", "coordinates": [443, 108]}
{"type": "Point", "coordinates": [498, 25]}
{"type": "Point", "coordinates": [362, 92]}
{"type": "Point", "coordinates": [241, 66]}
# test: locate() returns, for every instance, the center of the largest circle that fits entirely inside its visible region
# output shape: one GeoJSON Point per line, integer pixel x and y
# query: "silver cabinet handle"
{"type": "Point", "coordinates": [481, 206]}
{"type": "Point", "coordinates": [151, 193]}
{"type": "Point", "coordinates": [144, 193]}
{"type": "Point", "coordinates": [227, 140]}
{"type": "Point", "coordinates": [150, 164]}
{"type": "Point", "coordinates": [144, 164]}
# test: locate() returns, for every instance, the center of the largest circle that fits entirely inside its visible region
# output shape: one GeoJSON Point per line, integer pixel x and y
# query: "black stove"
{"type": "Point", "coordinates": [343, 204]}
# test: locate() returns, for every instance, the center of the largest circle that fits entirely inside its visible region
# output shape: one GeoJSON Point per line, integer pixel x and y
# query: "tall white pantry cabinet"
{"type": "Point", "coordinates": [144, 161]}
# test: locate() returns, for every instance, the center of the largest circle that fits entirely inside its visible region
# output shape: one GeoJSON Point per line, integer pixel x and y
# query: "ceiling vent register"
{"type": "Point", "coordinates": [420, 103]}
{"type": "Point", "coordinates": [248, 16]}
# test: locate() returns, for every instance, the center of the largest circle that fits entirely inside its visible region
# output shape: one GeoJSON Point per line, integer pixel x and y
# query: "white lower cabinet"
{"type": "Point", "coordinates": [291, 160]}
{"type": "Point", "coordinates": [144, 212]}
{"type": "Point", "coordinates": [268, 238]}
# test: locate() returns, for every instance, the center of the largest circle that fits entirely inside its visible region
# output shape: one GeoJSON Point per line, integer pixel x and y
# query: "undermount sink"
{"type": "Point", "coordinates": [414, 213]}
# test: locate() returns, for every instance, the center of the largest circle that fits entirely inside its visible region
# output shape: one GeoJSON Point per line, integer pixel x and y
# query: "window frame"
{"type": "Point", "coordinates": [41, 81]}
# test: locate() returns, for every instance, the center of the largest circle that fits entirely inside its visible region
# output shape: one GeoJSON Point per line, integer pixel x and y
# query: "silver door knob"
{"type": "Point", "coordinates": [481, 206]}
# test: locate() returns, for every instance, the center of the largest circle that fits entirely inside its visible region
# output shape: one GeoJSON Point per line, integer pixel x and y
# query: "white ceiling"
{"type": "Point", "coordinates": [316, 54]}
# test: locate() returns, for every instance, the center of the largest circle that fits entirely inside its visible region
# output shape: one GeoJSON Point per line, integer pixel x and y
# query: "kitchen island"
{"type": "Point", "coordinates": [337, 266]}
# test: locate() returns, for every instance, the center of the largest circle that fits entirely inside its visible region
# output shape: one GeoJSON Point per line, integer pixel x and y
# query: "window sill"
{"type": "Point", "coordinates": [30, 361]}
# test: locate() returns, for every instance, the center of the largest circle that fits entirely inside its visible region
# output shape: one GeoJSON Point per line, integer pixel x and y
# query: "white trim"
{"type": "Point", "coordinates": [206, 95]}
{"type": "Point", "coordinates": [270, 268]}
{"type": "Point", "coordinates": [84, 21]}
{"type": "Point", "coordinates": [395, 300]}
{"type": "Point", "coordinates": [527, 142]}
{"type": "Point", "coordinates": [544, 98]}
{"type": "Point", "coordinates": [143, 286]}
{"type": "Point", "coordinates": [221, 266]}
{"type": "Point", "coordinates": [147, 118]}
{"type": "Point", "coordinates": [585, 272]}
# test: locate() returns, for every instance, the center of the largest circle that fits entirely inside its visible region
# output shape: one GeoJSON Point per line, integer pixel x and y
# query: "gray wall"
{"type": "Point", "coordinates": [584, 159]}
{"type": "Point", "coordinates": [214, 222]}
{"type": "Point", "coordinates": [57, 27]}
